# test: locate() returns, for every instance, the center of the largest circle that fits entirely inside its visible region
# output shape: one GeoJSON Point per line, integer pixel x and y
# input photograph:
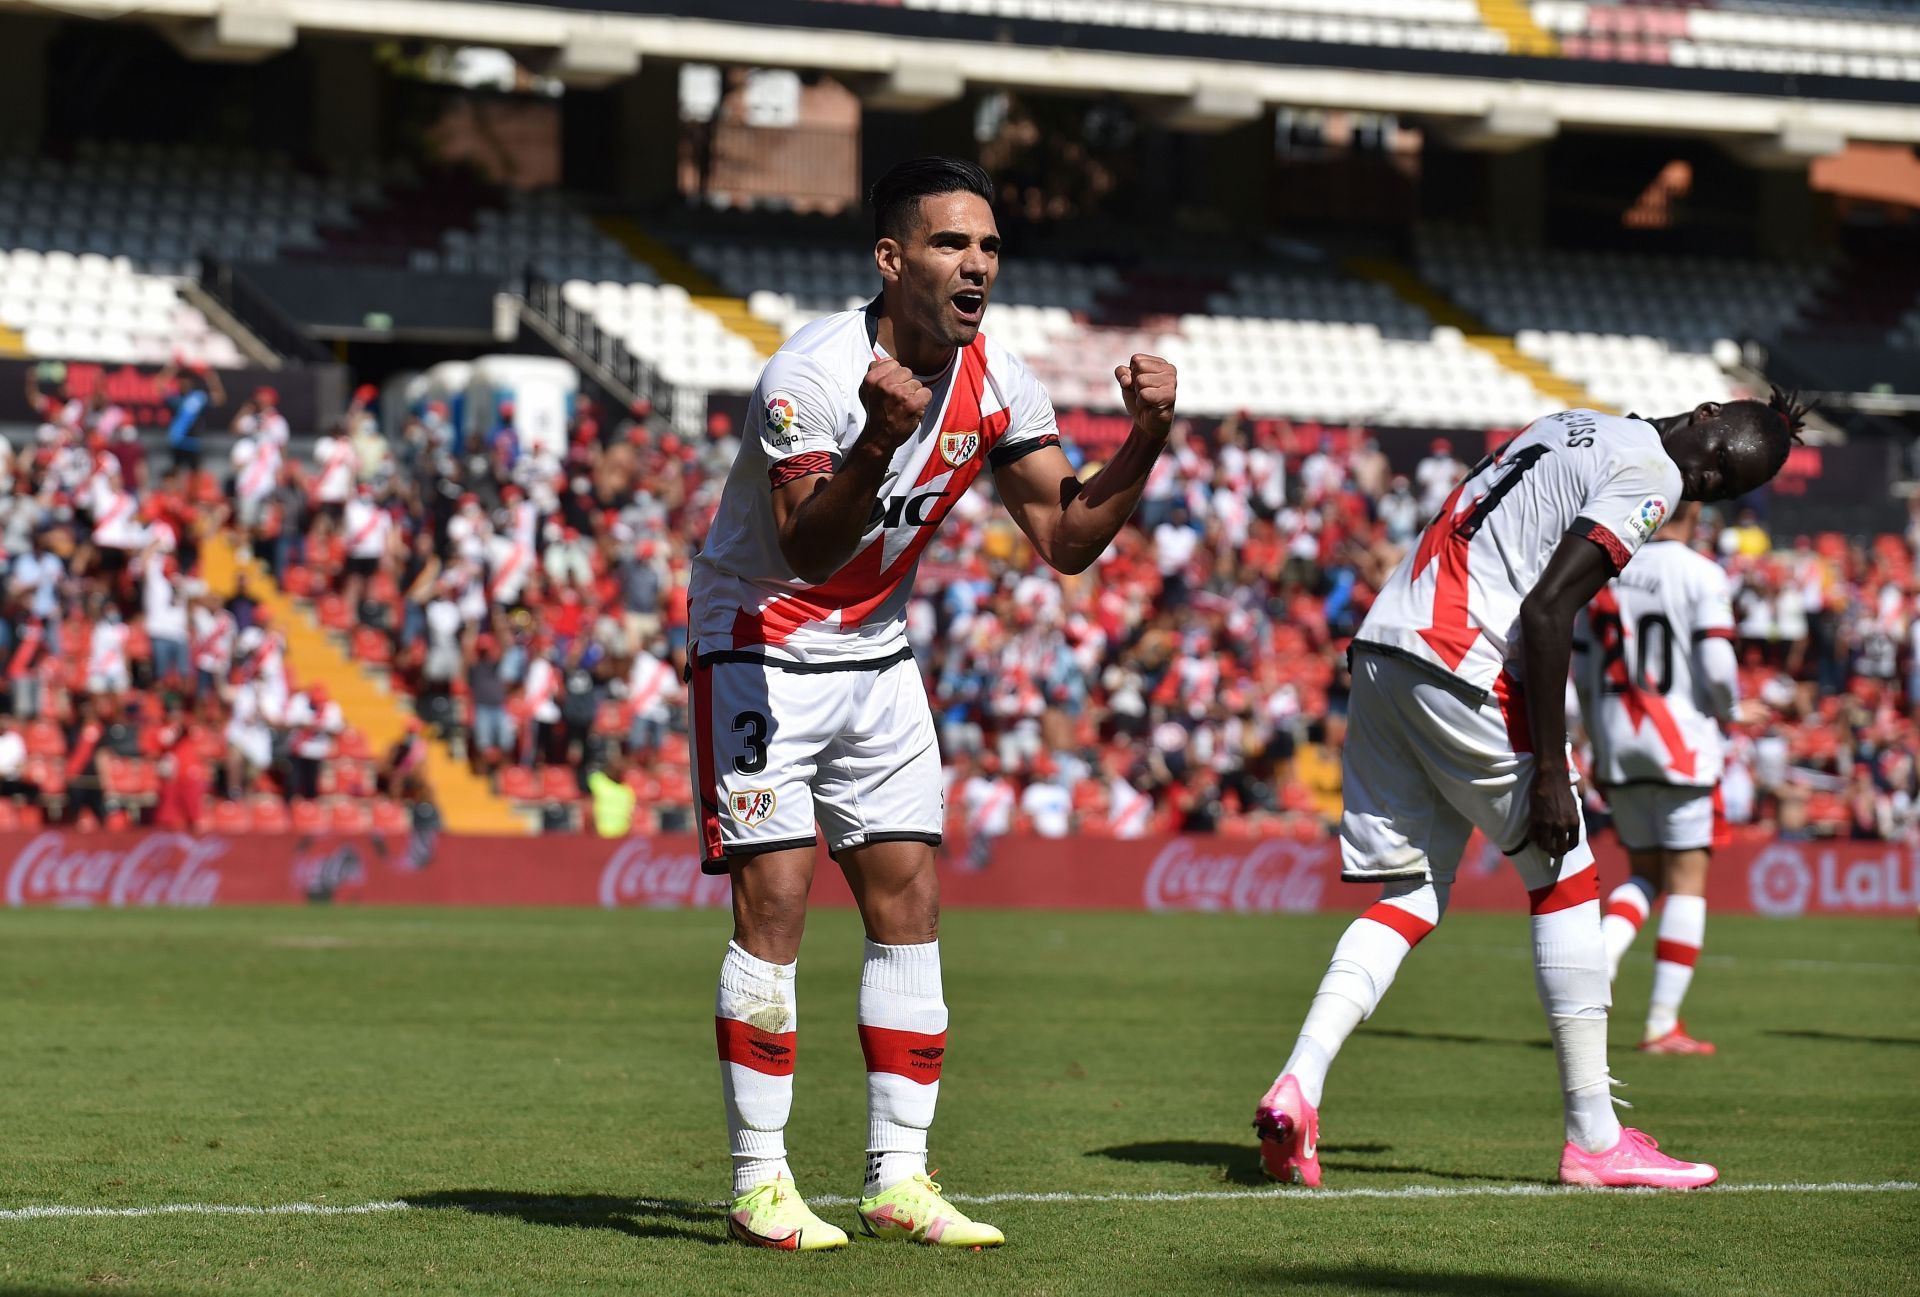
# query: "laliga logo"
{"type": "Point", "coordinates": [634, 875]}
{"type": "Point", "coordinates": [1262, 879]}
{"type": "Point", "coordinates": [1782, 884]}
{"type": "Point", "coordinates": [161, 869]}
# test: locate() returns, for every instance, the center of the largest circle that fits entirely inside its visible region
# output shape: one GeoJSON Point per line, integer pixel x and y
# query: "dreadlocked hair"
{"type": "Point", "coordinates": [1791, 412]}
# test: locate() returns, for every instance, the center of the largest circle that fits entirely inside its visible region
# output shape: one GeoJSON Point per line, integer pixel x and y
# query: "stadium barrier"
{"type": "Point", "coordinates": [309, 395]}
{"type": "Point", "coordinates": [53, 868]}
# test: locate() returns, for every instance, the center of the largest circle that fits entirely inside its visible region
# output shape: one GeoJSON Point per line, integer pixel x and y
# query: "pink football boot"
{"type": "Point", "coordinates": [1634, 1162]}
{"type": "Point", "coordinates": [1676, 1041]}
{"type": "Point", "coordinates": [1289, 1129]}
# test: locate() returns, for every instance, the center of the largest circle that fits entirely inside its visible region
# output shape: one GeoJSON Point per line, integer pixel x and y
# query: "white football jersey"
{"type": "Point", "coordinates": [1453, 603]}
{"type": "Point", "coordinates": [806, 413]}
{"type": "Point", "coordinates": [1642, 643]}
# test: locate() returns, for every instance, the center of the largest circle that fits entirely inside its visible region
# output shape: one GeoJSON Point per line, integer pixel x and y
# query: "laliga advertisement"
{"type": "Point", "coordinates": [1208, 874]}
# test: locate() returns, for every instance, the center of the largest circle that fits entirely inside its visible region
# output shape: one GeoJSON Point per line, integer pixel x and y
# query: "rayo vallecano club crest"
{"type": "Point", "coordinates": [753, 806]}
{"type": "Point", "coordinates": [959, 447]}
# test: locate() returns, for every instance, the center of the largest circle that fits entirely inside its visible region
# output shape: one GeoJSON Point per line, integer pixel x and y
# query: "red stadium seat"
{"type": "Point", "coordinates": [518, 784]}
{"type": "Point", "coordinates": [334, 613]}
{"type": "Point", "coordinates": [559, 784]}
{"type": "Point", "coordinates": [9, 815]}
{"type": "Point", "coordinates": [308, 817]}
{"type": "Point", "coordinates": [45, 739]}
{"type": "Point", "coordinates": [371, 647]}
{"type": "Point", "coordinates": [297, 581]}
{"type": "Point", "coordinates": [231, 817]}
{"type": "Point", "coordinates": [353, 746]}
{"type": "Point", "coordinates": [270, 815]}
{"type": "Point", "coordinates": [391, 817]}
{"type": "Point", "coordinates": [350, 816]}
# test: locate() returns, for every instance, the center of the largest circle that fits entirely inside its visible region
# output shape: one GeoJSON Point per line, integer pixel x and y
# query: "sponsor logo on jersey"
{"type": "Point", "coordinates": [781, 413]}
{"type": "Point", "coordinates": [959, 447]}
{"type": "Point", "coordinates": [1646, 520]}
{"type": "Point", "coordinates": [754, 806]}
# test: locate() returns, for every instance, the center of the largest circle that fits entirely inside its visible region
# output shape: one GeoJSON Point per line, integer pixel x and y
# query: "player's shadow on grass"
{"type": "Point", "coordinates": [1454, 1038]}
{"type": "Point", "coordinates": [1240, 1163]}
{"type": "Point", "coordinates": [1385, 1279]}
{"type": "Point", "coordinates": [1845, 1037]}
{"type": "Point", "coordinates": [636, 1217]}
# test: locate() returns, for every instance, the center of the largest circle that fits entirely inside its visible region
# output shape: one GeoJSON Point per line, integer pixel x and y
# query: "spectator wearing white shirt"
{"type": "Point", "coordinates": [314, 724]}
{"type": "Point", "coordinates": [1046, 803]}
{"type": "Point", "coordinates": [13, 760]}
{"type": "Point", "coordinates": [166, 619]}
{"type": "Point", "coordinates": [1436, 476]}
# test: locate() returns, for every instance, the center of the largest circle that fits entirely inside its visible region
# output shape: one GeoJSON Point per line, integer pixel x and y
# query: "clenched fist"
{"type": "Point", "coordinates": [895, 402]}
{"type": "Point", "coordinates": [1147, 386]}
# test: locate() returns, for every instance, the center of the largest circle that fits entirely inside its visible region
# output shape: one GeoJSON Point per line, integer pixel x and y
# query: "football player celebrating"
{"type": "Point", "coordinates": [808, 709]}
{"type": "Point", "coordinates": [1441, 741]}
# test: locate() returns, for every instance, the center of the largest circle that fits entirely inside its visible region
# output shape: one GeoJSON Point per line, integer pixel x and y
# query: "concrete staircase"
{"type": "Point", "coordinates": [706, 294]}
{"type": "Point", "coordinates": [1443, 310]}
{"type": "Point", "coordinates": [467, 804]}
{"type": "Point", "coordinates": [1514, 20]}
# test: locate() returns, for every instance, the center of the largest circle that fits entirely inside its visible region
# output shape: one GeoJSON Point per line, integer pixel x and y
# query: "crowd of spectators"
{"type": "Point", "coordinates": [531, 597]}
{"type": "Point", "coordinates": [134, 694]}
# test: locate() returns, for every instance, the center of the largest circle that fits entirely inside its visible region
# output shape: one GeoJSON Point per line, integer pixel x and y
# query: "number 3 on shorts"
{"type": "Point", "coordinates": [754, 726]}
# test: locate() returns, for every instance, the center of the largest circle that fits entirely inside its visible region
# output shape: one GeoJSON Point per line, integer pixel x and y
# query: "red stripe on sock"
{"type": "Point", "coordinates": [912, 1054]}
{"type": "Point", "coordinates": [1629, 911]}
{"type": "Point", "coordinates": [1676, 952]}
{"type": "Point", "coordinates": [1410, 926]}
{"type": "Point", "coordinates": [1567, 893]}
{"type": "Point", "coordinates": [770, 1052]}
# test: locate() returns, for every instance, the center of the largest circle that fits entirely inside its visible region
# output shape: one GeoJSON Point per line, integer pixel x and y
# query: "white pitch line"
{"type": "Point", "coordinates": [209, 1209]}
{"type": "Point", "coordinates": [1407, 1192]}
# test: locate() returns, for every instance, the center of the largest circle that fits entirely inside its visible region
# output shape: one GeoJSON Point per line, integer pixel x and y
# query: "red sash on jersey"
{"type": "Point", "coordinates": [372, 524]}
{"type": "Point", "coordinates": [549, 687]}
{"type": "Point", "coordinates": [868, 579]}
{"type": "Point", "coordinates": [262, 466]}
{"type": "Point", "coordinates": [213, 644]}
{"type": "Point", "coordinates": [507, 568]}
{"type": "Point", "coordinates": [997, 797]}
{"type": "Point", "coordinates": [22, 661]}
{"type": "Point", "coordinates": [121, 506]}
{"type": "Point", "coordinates": [90, 735]}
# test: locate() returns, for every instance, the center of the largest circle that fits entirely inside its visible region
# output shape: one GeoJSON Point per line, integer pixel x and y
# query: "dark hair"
{"type": "Point", "coordinates": [895, 197]}
{"type": "Point", "coordinates": [1778, 420]}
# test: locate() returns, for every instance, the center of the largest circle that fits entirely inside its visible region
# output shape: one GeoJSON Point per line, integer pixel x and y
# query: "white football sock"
{"type": "Point", "coordinates": [1627, 909]}
{"type": "Point", "coordinates": [903, 1032]}
{"type": "Point", "coordinates": [1683, 929]}
{"type": "Point", "coordinates": [1570, 973]}
{"type": "Point", "coordinates": [1364, 963]}
{"type": "Point", "coordinates": [755, 1019]}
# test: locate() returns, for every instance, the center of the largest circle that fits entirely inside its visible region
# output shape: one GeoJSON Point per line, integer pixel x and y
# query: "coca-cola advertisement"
{"type": "Point", "coordinates": [1180, 874]}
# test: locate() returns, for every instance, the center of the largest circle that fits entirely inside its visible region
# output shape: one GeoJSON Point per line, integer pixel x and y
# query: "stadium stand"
{"type": "Point", "coordinates": [1638, 331]}
{"type": "Point", "coordinates": [94, 307]}
{"type": "Point", "coordinates": [1838, 38]}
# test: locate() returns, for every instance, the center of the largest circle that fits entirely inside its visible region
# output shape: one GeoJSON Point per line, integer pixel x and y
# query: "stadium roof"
{"type": "Point", "coordinates": [908, 58]}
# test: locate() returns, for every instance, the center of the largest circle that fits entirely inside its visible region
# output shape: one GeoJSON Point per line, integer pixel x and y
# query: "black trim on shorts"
{"type": "Point", "coordinates": [1453, 683]}
{"type": "Point", "coordinates": [1002, 455]}
{"type": "Point", "coordinates": [719, 864]}
{"type": "Point", "coordinates": [803, 668]}
{"type": "Point", "coordinates": [1582, 646]}
{"type": "Point", "coordinates": [1400, 877]}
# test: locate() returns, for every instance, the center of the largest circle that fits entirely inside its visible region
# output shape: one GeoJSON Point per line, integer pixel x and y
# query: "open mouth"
{"type": "Point", "coordinates": [969, 305]}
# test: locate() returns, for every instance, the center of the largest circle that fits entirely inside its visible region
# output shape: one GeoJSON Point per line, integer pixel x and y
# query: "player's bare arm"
{"type": "Point", "coordinates": [1575, 574]}
{"type": "Point", "coordinates": [822, 516]}
{"type": "Point", "coordinates": [1071, 522]}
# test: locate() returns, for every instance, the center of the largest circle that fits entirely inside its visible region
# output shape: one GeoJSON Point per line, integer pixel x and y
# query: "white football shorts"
{"type": "Point", "coordinates": [1662, 817]}
{"type": "Point", "coordinates": [1425, 766]}
{"type": "Point", "coordinates": [780, 748]}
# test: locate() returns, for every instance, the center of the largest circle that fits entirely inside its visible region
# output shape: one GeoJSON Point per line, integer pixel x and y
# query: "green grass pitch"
{"type": "Point", "coordinates": [540, 1088]}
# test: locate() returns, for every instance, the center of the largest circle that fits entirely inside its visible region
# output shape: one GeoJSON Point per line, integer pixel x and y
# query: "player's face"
{"type": "Point", "coordinates": [1719, 459]}
{"type": "Point", "coordinates": [942, 274]}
